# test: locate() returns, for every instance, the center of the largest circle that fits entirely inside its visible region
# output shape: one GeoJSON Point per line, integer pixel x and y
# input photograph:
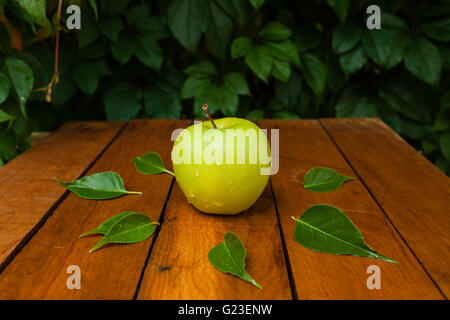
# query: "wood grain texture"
{"type": "Point", "coordinates": [413, 193]}
{"type": "Point", "coordinates": [112, 272]}
{"type": "Point", "coordinates": [304, 145]}
{"type": "Point", "coordinates": [179, 267]}
{"type": "Point", "coordinates": [27, 188]}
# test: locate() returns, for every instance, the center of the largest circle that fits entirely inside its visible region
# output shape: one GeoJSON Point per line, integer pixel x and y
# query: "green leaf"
{"type": "Point", "coordinates": [87, 75]}
{"type": "Point", "coordinates": [193, 85]}
{"type": "Point", "coordinates": [314, 72]}
{"type": "Point", "coordinates": [5, 116]}
{"type": "Point", "coordinates": [306, 38]}
{"type": "Point", "coordinates": [256, 3]}
{"type": "Point", "coordinates": [152, 27]}
{"type": "Point", "coordinates": [423, 60]}
{"type": "Point", "coordinates": [148, 52]}
{"type": "Point", "coordinates": [111, 27]}
{"type": "Point", "coordinates": [4, 87]}
{"type": "Point", "coordinates": [200, 70]}
{"type": "Point", "coordinates": [340, 7]}
{"type": "Point", "coordinates": [89, 31]}
{"type": "Point", "coordinates": [353, 104]}
{"type": "Point", "coordinates": [229, 257]}
{"type": "Point", "coordinates": [280, 70]}
{"type": "Point", "coordinates": [442, 121]}
{"type": "Point", "coordinates": [123, 49]}
{"type": "Point", "coordinates": [150, 163]}
{"type": "Point", "coordinates": [327, 229]}
{"type": "Point", "coordinates": [35, 8]}
{"type": "Point", "coordinates": [218, 27]}
{"type": "Point", "coordinates": [130, 228]}
{"type": "Point", "coordinates": [260, 62]}
{"type": "Point", "coordinates": [323, 180]}
{"type": "Point", "coordinates": [181, 17]}
{"type": "Point", "coordinates": [274, 31]}
{"type": "Point", "coordinates": [400, 37]}
{"type": "Point", "coordinates": [240, 47]}
{"type": "Point", "coordinates": [376, 43]}
{"type": "Point", "coordinates": [106, 226]}
{"type": "Point", "coordinates": [22, 80]}
{"type": "Point", "coordinates": [400, 100]}
{"type": "Point", "coordinates": [94, 8]}
{"type": "Point", "coordinates": [346, 36]}
{"type": "Point", "coordinates": [162, 103]}
{"type": "Point", "coordinates": [353, 60]}
{"type": "Point", "coordinates": [218, 97]}
{"type": "Point", "coordinates": [285, 51]}
{"type": "Point", "coordinates": [123, 102]}
{"type": "Point", "coordinates": [438, 30]}
{"type": "Point", "coordinates": [98, 186]}
{"type": "Point", "coordinates": [138, 12]}
{"type": "Point", "coordinates": [237, 82]}
{"type": "Point", "coordinates": [8, 148]}
{"type": "Point", "coordinates": [444, 143]}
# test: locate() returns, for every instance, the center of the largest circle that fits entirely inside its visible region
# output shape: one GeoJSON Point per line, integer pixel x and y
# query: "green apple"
{"type": "Point", "coordinates": [222, 170]}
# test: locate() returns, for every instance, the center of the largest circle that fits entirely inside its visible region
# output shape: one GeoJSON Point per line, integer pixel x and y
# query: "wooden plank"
{"type": "Point", "coordinates": [304, 145]}
{"type": "Point", "coordinates": [179, 268]}
{"type": "Point", "coordinates": [413, 193]}
{"type": "Point", "coordinates": [113, 272]}
{"type": "Point", "coordinates": [27, 188]}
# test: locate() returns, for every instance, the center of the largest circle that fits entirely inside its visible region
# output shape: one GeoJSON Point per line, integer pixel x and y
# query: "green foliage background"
{"type": "Point", "coordinates": [245, 58]}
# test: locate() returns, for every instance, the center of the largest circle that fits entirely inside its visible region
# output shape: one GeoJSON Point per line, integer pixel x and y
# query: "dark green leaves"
{"type": "Point", "coordinates": [323, 180]}
{"type": "Point", "coordinates": [423, 60]}
{"type": "Point", "coordinates": [126, 227]}
{"type": "Point", "coordinates": [229, 257]}
{"type": "Point", "coordinates": [4, 87]}
{"type": "Point", "coordinates": [150, 163]}
{"type": "Point", "coordinates": [272, 55]}
{"type": "Point", "coordinates": [188, 19]}
{"type": "Point", "coordinates": [99, 186]}
{"type": "Point", "coordinates": [36, 8]}
{"type": "Point", "coordinates": [123, 102]}
{"type": "Point", "coordinates": [314, 72]}
{"type": "Point", "coordinates": [340, 7]}
{"type": "Point", "coordinates": [22, 80]}
{"type": "Point", "coordinates": [5, 116]}
{"type": "Point", "coordinates": [438, 30]}
{"type": "Point", "coordinates": [240, 47]}
{"type": "Point", "coordinates": [346, 36]}
{"type": "Point", "coordinates": [202, 85]}
{"type": "Point", "coordinates": [274, 31]}
{"type": "Point", "coordinates": [327, 229]}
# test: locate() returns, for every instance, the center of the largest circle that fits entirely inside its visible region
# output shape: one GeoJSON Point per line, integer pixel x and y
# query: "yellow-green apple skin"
{"type": "Point", "coordinates": [221, 188]}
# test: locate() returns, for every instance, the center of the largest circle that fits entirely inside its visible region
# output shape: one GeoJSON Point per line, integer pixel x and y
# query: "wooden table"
{"type": "Point", "coordinates": [400, 202]}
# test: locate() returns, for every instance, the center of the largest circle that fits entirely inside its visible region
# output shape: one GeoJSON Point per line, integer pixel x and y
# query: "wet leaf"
{"type": "Point", "coordinates": [107, 224]}
{"type": "Point", "coordinates": [128, 228]}
{"type": "Point", "coordinates": [327, 229]}
{"type": "Point", "coordinates": [229, 257]}
{"type": "Point", "coordinates": [323, 180]}
{"type": "Point", "coordinates": [99, 186]}
{"type": "Point", "coordinates": [150, 163]}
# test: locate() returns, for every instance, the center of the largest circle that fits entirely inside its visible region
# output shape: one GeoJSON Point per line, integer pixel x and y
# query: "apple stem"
{"type": "Point", "coordinates": [205, 109]}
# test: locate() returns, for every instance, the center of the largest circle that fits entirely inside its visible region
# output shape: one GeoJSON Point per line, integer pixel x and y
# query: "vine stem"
{"type": "Point", "coordinates": [55, 77]}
